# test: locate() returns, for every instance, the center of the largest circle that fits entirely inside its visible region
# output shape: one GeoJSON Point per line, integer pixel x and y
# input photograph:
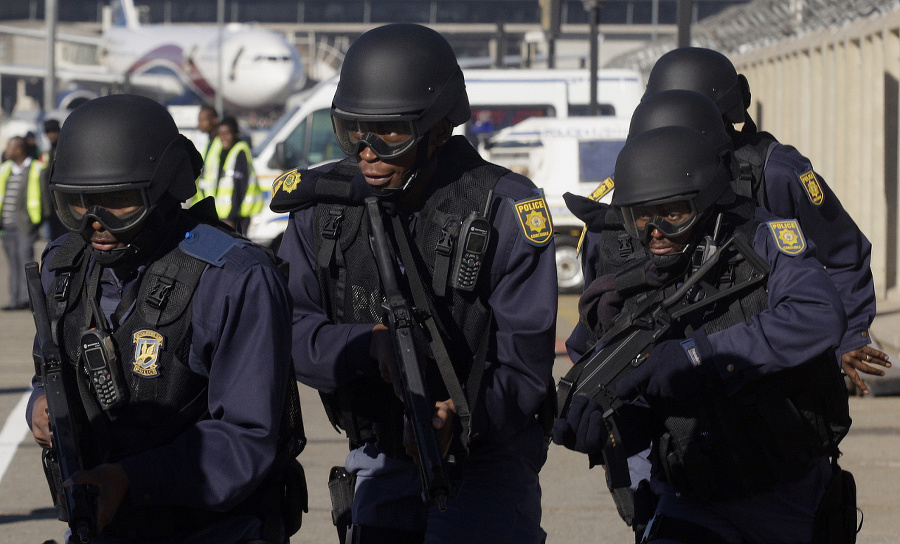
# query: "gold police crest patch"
{"type": "Point", "coordinates": [147, 345]}
{"type": "Point", "coordinates": [287, 182]}
{"type": "Point", "coordinates": [812, 186]}
{"type": "Point", "coordinates": [534, 218]}
{"type": "Point", "coordinates": [788, 236]}
{"type": "Point", "coordinates": [602, 190]}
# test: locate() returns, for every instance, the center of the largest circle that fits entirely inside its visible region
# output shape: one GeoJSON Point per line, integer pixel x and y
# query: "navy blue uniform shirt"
{"type": "Point", "coordinates": [793, 189]}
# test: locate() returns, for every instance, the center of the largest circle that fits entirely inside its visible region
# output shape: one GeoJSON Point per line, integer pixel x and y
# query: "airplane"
{"type": "Point", "coordinates": [177, 64]}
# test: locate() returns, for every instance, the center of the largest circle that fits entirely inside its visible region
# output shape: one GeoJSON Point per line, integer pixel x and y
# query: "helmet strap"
{"type": "Point", "coordinates": [422, 160]}
{"type": "Point", "coordinates": [152, 232]}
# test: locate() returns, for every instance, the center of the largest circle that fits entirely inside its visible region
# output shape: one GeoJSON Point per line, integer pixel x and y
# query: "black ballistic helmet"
{"type": "Point", "coordinates": [704, 71]}
{"type": "Point", "coordinates": [402, 71]}
{"type": "Point", "coordinates": [121, 142]}
{"type": "Point", "coordinates": [679, 107]}
{"type": "Point", "coordinates": [669, 164]}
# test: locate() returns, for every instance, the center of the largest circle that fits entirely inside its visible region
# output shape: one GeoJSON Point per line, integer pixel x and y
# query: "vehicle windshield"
{"type": "Point", "coordinates": [276, 128]}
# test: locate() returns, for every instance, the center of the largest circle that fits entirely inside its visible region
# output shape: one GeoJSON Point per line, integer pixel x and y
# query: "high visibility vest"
{"type": "Point", "coordinates": [32, 192]}
{"type": "Point", "coordinates": [222, 188]}
{"type": "Point", "coordinates": [206, 183]}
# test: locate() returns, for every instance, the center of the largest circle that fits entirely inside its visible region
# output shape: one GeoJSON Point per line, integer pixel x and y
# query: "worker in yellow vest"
{"type": "Point", "coordinates": [208, 123]}
{"type": "Point", "coordinates": [228, 176]}
{"type": "Point", "coordinates": [21, 213]}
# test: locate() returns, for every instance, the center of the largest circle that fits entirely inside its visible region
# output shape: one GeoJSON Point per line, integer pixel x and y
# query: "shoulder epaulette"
{"type": "Point", "coordinates": [209, 244]}
{"type": "Point", "coordinates": [299, 189]}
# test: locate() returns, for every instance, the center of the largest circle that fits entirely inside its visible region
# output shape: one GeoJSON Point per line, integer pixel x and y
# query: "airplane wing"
{"type": "Point", "coordinates": [41, 33]}
{"type": "Point", "coordinates": [94, 76]}
{"type": "Point", "coordinates": [87, 74]}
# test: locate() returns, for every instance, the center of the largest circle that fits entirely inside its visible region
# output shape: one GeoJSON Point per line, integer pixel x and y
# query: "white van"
{"type": "Point", "coordinates": [572, 155]}
{"type": "Point", "coordinates": [498, 98]}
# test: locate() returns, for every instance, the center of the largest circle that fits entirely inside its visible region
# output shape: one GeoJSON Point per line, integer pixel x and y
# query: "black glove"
{"type": "Point", "coordinates": [674, 371]}
{"type": "Point", "coordinates": [583, 429]}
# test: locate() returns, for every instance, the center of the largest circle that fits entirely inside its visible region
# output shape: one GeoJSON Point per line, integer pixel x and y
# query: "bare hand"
{"type": "Point", "coordinates": [111, 481]}
{"type": "Point", "coordinates": [441, 422]}
{"type": "Point", "coordinates": [859, 360]}
{"type": "Point", "coordinates": [381, 348]}
{"type": "Point", "coordinates": [40, 422]}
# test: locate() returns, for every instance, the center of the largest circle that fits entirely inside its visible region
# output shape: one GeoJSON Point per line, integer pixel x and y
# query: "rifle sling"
{"type": "Point", "coordinates": [441, 356]}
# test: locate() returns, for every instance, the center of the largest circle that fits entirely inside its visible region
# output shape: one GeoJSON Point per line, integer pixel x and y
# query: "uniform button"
{"type": "Point", "coordinates": [730, 368]}
{"type": "Point", "coordinates": [865, 334]}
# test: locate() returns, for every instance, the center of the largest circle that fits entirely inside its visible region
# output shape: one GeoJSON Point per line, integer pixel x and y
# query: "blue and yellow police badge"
{"type": "Point", "coordinates": [788, 236]}
{"type": "Point", "coordinates": [812, 186]}
{"type": "Point", "coordinates": [147, 345]}
{"type": "Point", "coordinates": [287, 181]}
{"type": "Point", "coordinates": [534, 218]}
{"type": "Point", "coordinates": [602, 190]}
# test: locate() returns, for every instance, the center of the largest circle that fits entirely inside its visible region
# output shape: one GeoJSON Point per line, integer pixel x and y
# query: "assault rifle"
{"type": "Point", "coordinates": [629, 343]}
{"type": "Point", "coordinates": [417, 403]}
{"type": "Point", "coordinates": [79, 499]}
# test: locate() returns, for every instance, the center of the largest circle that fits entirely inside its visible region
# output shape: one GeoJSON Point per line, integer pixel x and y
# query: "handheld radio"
{"type": "Point", "coordinates": [99, 362]}
{"type": "Point", "coordinates": [474, 235]}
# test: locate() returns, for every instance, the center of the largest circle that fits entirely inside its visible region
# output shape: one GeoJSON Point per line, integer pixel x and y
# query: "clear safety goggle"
{"type": "Point", "coordinates": [388, 139]}
{"type": "Point", "coordinates": [117, 211]}
{"type": "Point", "coordinates": [673, 219]}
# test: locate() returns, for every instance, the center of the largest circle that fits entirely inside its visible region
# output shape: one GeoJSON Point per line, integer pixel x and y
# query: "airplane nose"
{"type": "Point", "coordinates": [281, 73]}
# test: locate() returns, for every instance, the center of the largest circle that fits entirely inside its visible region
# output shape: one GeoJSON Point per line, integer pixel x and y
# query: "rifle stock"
{"type": "Point", "coordinates": [418, 404]}
{"type": "Point", "coordinates": [79, 499]}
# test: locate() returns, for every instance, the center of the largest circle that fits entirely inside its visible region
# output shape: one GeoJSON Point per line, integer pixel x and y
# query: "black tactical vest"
{"type": "Point", "coordinates": [752, 149]}
{"type": "Point", "coordinates": [162, 314]}
{"type": "Point", "coordinates": [367, 409]}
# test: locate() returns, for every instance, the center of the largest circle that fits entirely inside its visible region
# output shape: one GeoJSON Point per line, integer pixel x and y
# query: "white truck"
{"type": "Point", "coordinates": [572, 155]}
{"type": "Point", "coordinates": [498, 98]}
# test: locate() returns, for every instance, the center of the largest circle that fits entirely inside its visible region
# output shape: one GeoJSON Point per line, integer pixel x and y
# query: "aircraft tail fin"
{"type": "Point", "coordinates": [124, 14]}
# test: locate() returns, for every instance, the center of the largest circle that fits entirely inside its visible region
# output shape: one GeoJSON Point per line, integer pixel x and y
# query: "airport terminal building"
{"type": "Point", "coordinates": [375, 11]}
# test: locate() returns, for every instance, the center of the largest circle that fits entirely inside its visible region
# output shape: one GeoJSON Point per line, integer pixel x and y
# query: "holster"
{"type": "Point", "coordinates": [341, 485]}
{"type": "Point", "coordinates": [835, 521]}
{"type": "Point", "coordinates": [296, 497]}
{"type": "Point", "coordinates": [54, 482]}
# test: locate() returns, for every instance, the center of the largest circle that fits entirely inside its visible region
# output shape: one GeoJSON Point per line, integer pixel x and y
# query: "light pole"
{"type": "Point", "coordinates": [50, 78]}
{"type": "Point", "coordinates": [685, 8]}
{"type": "Point", "coordinates": [593, 9]}
{"type": "Point", "coordinates": [220, 79]}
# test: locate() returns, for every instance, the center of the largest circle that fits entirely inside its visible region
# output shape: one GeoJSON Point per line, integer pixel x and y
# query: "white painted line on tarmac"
{"type": "Point", "coordinates": [14, 431]}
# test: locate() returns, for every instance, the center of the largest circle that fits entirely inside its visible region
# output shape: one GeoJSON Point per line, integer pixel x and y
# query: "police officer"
{"type": "Point", "coordinates": [783, 181]}
{"type": "Point", "coordinates": [401, 92]}
{"type": "Point", "coordinates": [608, 248]}
{"type": "Point", "coordinates": [719, 397]}
{"type": "Point", "coordinates": [229, 178]}
{"type": "Point", "coordinates": [187, 440]}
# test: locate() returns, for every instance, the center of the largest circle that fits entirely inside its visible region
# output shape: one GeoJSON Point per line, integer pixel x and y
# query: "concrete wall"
{"type": "Point", "coordinates": [834, 95]}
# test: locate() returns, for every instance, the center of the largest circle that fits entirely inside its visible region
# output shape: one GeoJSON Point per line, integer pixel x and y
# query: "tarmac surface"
{"type": "Point", "coordinates": [576, 505]}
